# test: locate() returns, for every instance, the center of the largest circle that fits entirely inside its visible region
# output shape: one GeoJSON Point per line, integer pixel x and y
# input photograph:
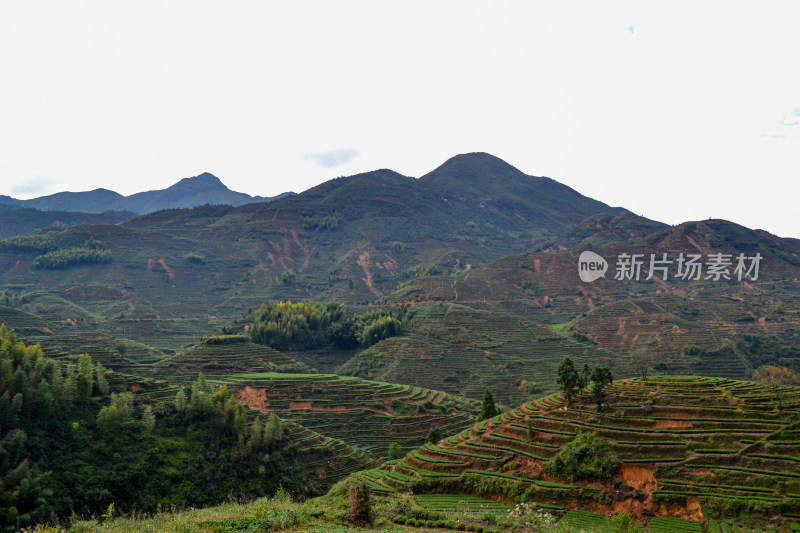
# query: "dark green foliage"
{"type": "Point", "coordinates": [29, 243]}
{"type": "Point", "coordinates": [568, 379]}
{"type": "Point", "coordinates": [308, 325]}
{"type": "Point", "coordinates": [322, 223]}
{"type": "Point", "coordinates": [360, 511]}
{"type": "Point", "coordinates": [395, 451]}
{"type": "Point", "coordinates": [584, 377]}
{"type": "Point", "coordinates": [600, 378]}
{"type": "Point", "coordinates": [194, 257]}
{"type": "Point", "coordinates": [420, 270]}
{"type": "Point", "coordinates": [71, 256]}
{"type": "Point", "coordinates": [585, 457]}
{"type": "Point", "coordinates": [488, 408]}
{"type": "Point", "coordinates": [434, 435]}
{"type": "Point", "coordinates": [65, 449]}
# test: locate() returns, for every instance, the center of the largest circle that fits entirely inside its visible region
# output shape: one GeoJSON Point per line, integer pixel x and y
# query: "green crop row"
{"type": "Point", "coordinates": [775, 456]}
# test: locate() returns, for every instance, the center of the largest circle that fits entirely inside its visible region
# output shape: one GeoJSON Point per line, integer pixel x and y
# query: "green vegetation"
{"type": "Point", "coordinates": [777, 380]}
{"type": "Point", "coordinates": [488, 409]}
{"type": "Point", "coordinates": [29, 243]}
{"type": "Point", "coordinates": [307, 325]}
{"type": "Point", "coordinates": [68, 257]}
{"type": "Point", "coordinates": [568, 379]}
{"type": "Point", "coordinates": [600, 378]}
{"type": "Point", "coordinates": [326, 223]}
{"type": "Point", "coordinates": [194, 257]}
{"type": "Point", "coordinates": [586, 457]}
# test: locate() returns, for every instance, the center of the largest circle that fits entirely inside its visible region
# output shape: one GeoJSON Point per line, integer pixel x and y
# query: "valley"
{"type": "Point", "coordinates": [346, 336]}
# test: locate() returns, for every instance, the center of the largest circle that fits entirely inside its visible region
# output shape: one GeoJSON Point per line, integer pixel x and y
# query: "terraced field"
{"type": "Point", "coordinates": [462, 351]}
{"type": "Point", "coordinates": [222, 355]}
{"type": "Point", "coordinates": [367, 414]}
{"type": "Point", "coordinates": [328, 459]}
{"type": "Point", "coordinates": [686, 447]}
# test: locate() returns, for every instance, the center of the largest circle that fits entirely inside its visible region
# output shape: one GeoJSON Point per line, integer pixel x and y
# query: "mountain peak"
{"type": "Point", "coordinates": [205, 182]}
{"type": "Point", "coordinates": [472, 166]}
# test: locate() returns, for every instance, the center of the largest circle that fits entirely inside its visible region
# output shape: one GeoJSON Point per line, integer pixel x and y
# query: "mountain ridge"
{"type": "Point", "coordinates": [194, 191]}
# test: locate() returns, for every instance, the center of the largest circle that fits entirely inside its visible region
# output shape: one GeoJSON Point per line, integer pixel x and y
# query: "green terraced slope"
{"type": "Point", "coordinates": [367, 414]}
{"type": "Point", "coordinates": [685, 447]}
{"type": "Point", "coordinates": [462, 351]}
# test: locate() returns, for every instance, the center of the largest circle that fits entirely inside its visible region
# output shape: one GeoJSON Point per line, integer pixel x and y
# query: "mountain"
{"type": "Point", "coordinates": [25, 220]}
{"type": "Point", "coordinates": [484, 182]}
{"type": "Point", "coordinates": [189, 192]}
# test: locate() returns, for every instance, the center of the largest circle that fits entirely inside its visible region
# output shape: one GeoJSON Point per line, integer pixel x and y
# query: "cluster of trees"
{"type": "Point", "coordinates": [71, 443]}
{"type": "Point", "coordinates": [37, 397]}
{"type": "Point", "coordinates": [308, 325]}
{"type": "Point", "coordinates": [328, 222]}
{"type": "Point", "coordinates": [29, 243]}
{"type": "Point", "coordinates": [8, 298]}
{"type": "Point", "coordinates": [68, 257]}
{"type": "Point", "coordinates": [92, 251]}
{"type": "Point", "coordinates": [571, 382]}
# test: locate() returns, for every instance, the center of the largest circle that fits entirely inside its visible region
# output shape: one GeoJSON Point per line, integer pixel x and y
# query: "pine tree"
{"type": "Point", "coordinates": [102, 382]}
{"type": "Point", "coordinates": [567, 379]}
{"type": "Point", "coordinates": [601, 377]}
{"type": "Point", "coordinates": [488, 408]}
{"type": "Point", "coordinates": [148, 418]}
{"type": "Point", "coordinates": [180, 400]}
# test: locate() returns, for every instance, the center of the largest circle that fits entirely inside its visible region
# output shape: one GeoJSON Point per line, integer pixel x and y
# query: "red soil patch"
{"type": "Point", "coordinates": [639, 477]}
{"type": "Point", "coordinates": [364, 262]}
{"type": "Point", "coordinates": [135, 387]}
{"type": "Point", "coordinates": [676, 424]}
{"type": "Point", "coordinates": [281, 259]}
{"type": "Point", "coordinates": [251, 397]}
{"type": "Point", "coordinates": [303, 246]}
{"type": "Point", "coordinates": [150, 264]}
{"type": "Point", "coordinates": [168, 270]}
{"type": "Point", "coordinates": [72, 321]}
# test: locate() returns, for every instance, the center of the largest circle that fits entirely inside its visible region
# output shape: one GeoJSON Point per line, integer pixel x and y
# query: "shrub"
{"type": "Point", "coordinates": [585, 457]}
{"type": "Point", "coordinates": [360, 512]}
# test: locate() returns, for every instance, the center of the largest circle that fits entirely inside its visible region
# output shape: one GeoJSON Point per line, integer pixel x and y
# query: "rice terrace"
{"type": "Point", "coordinates": [260, 273]}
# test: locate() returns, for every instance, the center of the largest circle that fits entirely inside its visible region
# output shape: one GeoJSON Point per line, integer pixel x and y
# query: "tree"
{"type": "Point", "coordinates": [434, 435]}
{"type": "Point", "coordinates": [148, 418]}
{"type": "Point", "coordinates": [488, 408]}
{"type": "Point", "coordinates": [600, 378]}
{"type": "Point", "coordinates": [102, 382]}
{"type": "Point", "coordinates": [568, 380]}
{"type": "Point", "coordinates": [585, 457]}
{"type": "Point", "coordinates": [360, 512]}
{"type": "Point", "coordinates": [641, 360]}
{"type": "Point", "coordinates": [395, 451]}
{"type": "Point", "coordinates": [273, 430]}
{"type": "Point", "coordinates": [84, 381]}
{"type": "Point", "coordinates": [584, 377]}
{"type": "Point", "coordinates": [776, 379]}
{"type": "Point", "coordinates": [180, 400]}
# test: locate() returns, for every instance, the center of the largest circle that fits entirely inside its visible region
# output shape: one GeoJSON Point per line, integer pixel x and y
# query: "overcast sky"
{"type": "Point", "coordinates": [675, 110]}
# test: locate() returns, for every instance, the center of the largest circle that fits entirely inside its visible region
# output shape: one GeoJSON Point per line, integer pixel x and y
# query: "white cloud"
{"type": "Point", "coordinates": [331, 158]}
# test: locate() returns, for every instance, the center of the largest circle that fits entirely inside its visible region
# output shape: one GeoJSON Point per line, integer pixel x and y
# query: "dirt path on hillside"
{"type": "Point", "coordinates": [364, 262]}
{"type": "Point", "coordinates": [168, 270]}
{"type": "Point", "coordinates": [303, 246]}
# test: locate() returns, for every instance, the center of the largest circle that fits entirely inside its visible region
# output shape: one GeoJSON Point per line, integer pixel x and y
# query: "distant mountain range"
{"type": "Point", "coordinates": [188, 192]}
